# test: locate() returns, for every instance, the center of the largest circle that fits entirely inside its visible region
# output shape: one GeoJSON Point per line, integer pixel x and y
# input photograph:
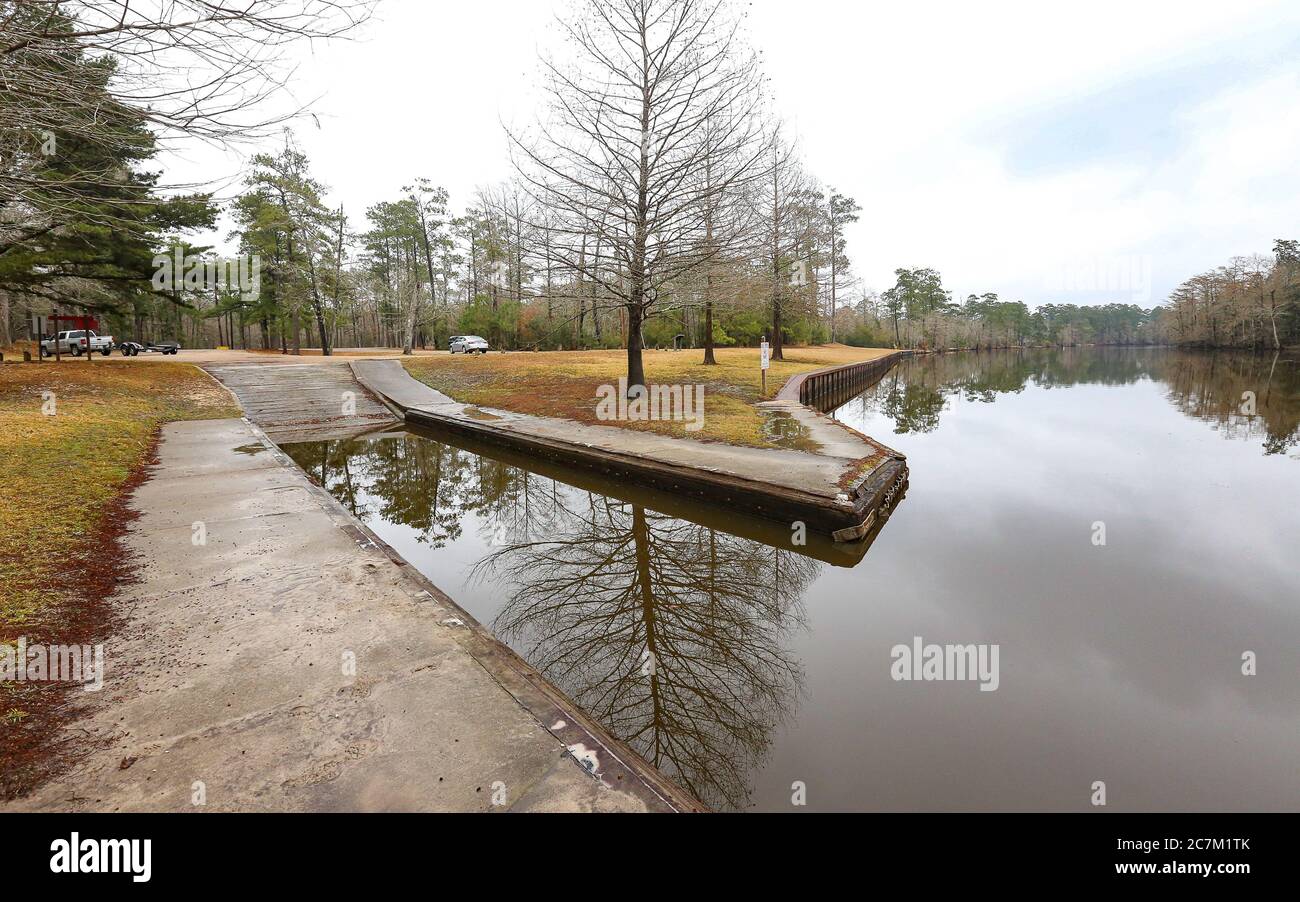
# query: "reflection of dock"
{"type": "Point", "coordinates": [835, 492]}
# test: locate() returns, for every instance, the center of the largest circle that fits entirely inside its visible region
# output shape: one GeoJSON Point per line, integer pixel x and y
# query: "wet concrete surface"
{"type": "Point", "coordinates": [275, 657]}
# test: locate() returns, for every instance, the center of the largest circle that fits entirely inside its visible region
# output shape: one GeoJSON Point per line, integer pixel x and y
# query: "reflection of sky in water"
{"type": "Point", "coordinates": [1118, 663]}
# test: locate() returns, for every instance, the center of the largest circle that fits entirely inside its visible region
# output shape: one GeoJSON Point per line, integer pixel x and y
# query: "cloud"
{"type": "Point", "coordinates": [1006, 145]}
{"type": "Point", "coordinates": [1000, 144]}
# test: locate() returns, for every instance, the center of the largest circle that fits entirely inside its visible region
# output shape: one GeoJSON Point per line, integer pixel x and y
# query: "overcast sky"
{"type": "Point", "coordinates": [1030, 149]}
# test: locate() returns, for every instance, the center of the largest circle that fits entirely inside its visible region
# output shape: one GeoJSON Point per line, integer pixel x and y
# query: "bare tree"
{"type": "Point", "coordinates": [190, 67]}
{"type": "Point", "coordinates": [430, 206]}
{"type": "Point", "coordinates": [783, 180]}
{"type": "Point", "coordinates": [660, 92]}
{"type": "Point", "coordinates": [732, 237]}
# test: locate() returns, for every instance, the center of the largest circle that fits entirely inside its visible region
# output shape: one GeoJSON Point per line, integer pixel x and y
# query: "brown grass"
{"type": "Point", "coordinates": [565, 383]}
{"type": "Point", "coordinates": [15, 351]}
{"type": "Point", "coordinates": [61, 472]}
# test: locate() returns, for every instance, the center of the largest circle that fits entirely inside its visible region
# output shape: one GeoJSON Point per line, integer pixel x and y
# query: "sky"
{"type": "Point", "coordinates": [1049, 153]}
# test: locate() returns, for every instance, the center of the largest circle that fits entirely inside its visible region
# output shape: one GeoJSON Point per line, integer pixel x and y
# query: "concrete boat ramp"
{"type": "Point", "coordinates": [303, 402]}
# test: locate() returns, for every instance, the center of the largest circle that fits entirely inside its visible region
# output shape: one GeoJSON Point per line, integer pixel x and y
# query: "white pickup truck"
{"type": "Point", "coordinates": [77, 342]}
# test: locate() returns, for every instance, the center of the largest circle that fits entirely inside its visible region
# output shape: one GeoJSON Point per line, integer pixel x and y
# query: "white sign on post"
{"type": "Point", "coordinates": [763, 355]}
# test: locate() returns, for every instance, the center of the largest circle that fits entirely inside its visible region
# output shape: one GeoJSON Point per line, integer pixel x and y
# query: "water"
{"type": "Point", "coordinates": [741, 668]}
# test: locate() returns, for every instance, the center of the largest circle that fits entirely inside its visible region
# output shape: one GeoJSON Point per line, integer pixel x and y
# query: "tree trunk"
{"type": "Point", "coordinates": [708, 331]}
{"type": "Point", "coordinates": [550, 312]}
{"type": "Point", "coordinates": [317, 307]}
{"type": "Point", "coordinates": [708, 278]}
{"type": "Point", "coordinates": [641, 542]}
{"type": "Point", "coordinates": [6, 334]}
{"type": "Point", "coordinates": [595, 284]}
{"type": "Point", "coordinates": [635, 367]}
{"type": "Point", "coordinates": [582, 304]}
{"type": "Point", "coordinates": [834, 238]}
{"type": "Point", "coordinates": [408, 333]}
{"type": "Point", "coordinates": [338, 268]}
{"type": "Point", "coordinates": [1272, 317]}
{"type": "Point", "coordinates": [776, 264]}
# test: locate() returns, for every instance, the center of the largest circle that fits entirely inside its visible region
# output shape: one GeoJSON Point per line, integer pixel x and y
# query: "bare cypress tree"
{"type": "Point", "coordinates": [783, 180]}
{"type": "Point", "coordinates": [659, 93]}
{"type": "Point", "coordinates": [733, 236]}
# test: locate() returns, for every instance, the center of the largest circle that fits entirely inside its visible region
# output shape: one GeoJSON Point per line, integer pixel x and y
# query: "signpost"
{"type": "Point", "coordinates": [764, 358]}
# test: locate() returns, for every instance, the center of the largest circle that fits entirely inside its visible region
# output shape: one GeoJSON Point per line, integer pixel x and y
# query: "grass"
{"type": "Point", "coordinates": [565, 383]}
{"type": "Point", "coordinates": [63, 473]}
{"type": "Point", "coordinates": [14, 352]}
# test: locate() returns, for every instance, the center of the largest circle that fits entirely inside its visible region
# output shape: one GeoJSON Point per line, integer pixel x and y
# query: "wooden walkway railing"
{"type": "Point", "coordinates": [825, 390]}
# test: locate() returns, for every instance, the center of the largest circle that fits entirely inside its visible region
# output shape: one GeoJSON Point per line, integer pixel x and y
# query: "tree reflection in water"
{"type": "Point", "coordinates": [1207, 386]}
{"type": "Point", "coordinates": [673, 635]}
{"type": "Point", "coordinates": [428, 486]}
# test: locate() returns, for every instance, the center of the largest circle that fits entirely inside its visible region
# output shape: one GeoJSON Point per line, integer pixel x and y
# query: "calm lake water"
{"type": "Point", "coordinates": [1118, 662]}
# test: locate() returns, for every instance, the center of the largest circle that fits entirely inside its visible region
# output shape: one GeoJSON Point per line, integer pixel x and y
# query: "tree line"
{"type": "Point", "coordinates": [1253, 302]}
{"type": "Point", "coordinates": [917, 312]}
{"type": "Point", "coordinates": [655, 201]}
